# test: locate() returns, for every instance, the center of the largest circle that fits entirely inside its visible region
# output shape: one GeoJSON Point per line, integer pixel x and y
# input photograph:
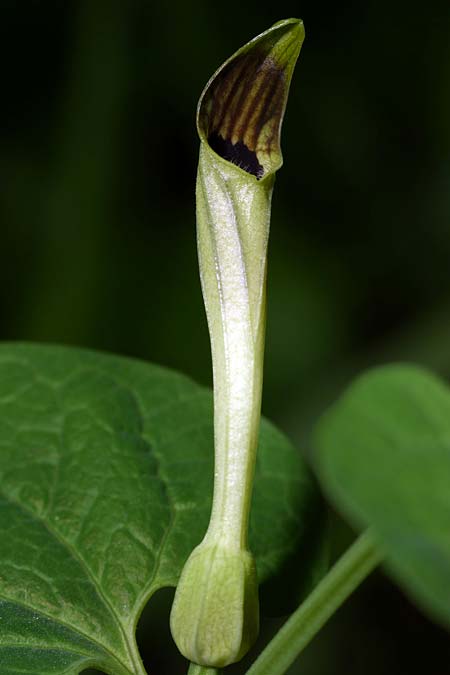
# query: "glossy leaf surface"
{"type": "Point", "coordinates": [106, 477]}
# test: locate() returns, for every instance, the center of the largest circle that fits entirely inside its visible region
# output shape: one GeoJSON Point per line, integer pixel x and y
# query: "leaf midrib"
{"type": "Point", "coordinates": [69, 626]}
{"type": "Point", "coordinates": [99, 591]}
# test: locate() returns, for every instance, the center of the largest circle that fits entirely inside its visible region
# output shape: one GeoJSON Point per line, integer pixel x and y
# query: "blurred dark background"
{"type": "Point", "coordinates": [98, 155]}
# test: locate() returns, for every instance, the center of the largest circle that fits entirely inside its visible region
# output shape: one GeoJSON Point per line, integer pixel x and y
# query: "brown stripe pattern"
{"type": "Point", "coordinates": [242, 109]}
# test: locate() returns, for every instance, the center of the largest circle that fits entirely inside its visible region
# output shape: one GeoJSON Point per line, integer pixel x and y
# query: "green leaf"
{"type": "Point", "coordinates": [106, 471]}
{"type": "Point", "coordinates": [384, 458]}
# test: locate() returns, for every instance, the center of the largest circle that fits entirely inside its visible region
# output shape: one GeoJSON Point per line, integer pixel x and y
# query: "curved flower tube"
{"type": "Point", "coordinates": [215, 615]}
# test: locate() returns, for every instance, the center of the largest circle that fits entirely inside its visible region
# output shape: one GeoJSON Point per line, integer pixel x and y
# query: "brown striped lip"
{"type": "Point", "coordinates": [241, 111]}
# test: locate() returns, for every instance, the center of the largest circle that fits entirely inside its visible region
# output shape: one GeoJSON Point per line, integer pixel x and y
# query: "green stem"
{"type": "Point", "coordinates": [195, 669]}
{"type": "Point", "coordinates": [346, 575]}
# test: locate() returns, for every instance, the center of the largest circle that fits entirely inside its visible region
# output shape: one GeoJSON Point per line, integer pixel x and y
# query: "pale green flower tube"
{"type": "Point", "coordinates": [214, 617]}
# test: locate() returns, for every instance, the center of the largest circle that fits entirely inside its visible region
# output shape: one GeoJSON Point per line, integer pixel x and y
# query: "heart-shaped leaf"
{"type": "Point", "coordinates": [384, 458]}
{"type": "Point", "coordinates": [106, 471]}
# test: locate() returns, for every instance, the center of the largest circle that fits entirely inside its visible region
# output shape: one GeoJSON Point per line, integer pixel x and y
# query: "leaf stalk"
{"type": "Point", "coordinates": [298, 631]}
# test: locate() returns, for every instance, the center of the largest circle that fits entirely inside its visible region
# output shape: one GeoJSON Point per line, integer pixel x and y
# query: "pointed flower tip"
{"type": "Point", "coordinates": [241, 109]}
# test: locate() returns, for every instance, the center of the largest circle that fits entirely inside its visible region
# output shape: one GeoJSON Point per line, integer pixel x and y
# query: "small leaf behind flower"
{"type": "Point", "coordinates": [384, 459]}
